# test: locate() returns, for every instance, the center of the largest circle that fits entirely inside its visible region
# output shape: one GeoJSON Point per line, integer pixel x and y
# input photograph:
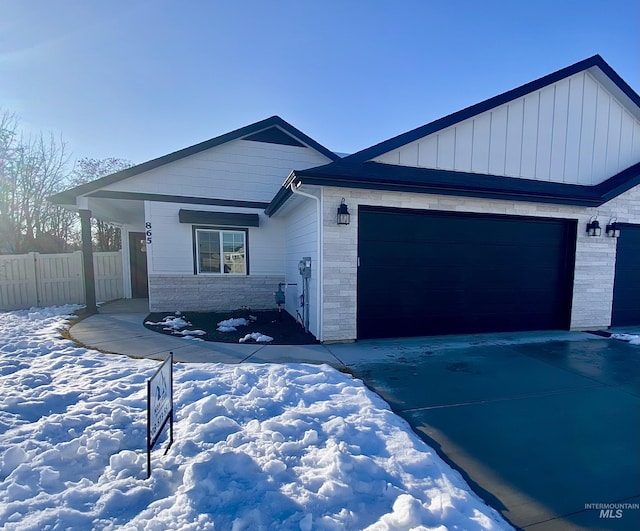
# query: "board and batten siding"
{"type": "Point", "coordinates": [594, 266]}
{"type": "Point", "coordinates": [573, 131]}
{"type": "Point", "coordinates": [238, 170]}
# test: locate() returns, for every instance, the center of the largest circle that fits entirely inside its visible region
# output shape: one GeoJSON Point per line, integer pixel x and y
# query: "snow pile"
{"type": "Point", "coordinates": [257, 337]}
{"type": "Point", "coordinates": [176, 324]}
{"type": "Point", "coordinates": [171, 322]}
{"type": "Point", "coordinates": [630, 338]}
{"type": "Point", "coordinates": [231, 325]}
{"type": "Point", "coordinates": [256, 447]}
{"type": "Point", "coordinates": [191, 332]}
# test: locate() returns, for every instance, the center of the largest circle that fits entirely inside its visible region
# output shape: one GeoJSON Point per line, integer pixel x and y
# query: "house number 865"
{"type": "Point", "coordinates": [147, 227]}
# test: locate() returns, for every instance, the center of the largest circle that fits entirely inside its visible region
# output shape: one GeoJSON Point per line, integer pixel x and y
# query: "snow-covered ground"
{"type": "Point", "coordinates": [256, 446]}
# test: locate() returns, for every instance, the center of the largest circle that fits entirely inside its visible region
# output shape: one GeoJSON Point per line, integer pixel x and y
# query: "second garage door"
{"type": "Point", "coordinates": [429, 273]}
{"type": "Point", "coordinates": [626, 290]}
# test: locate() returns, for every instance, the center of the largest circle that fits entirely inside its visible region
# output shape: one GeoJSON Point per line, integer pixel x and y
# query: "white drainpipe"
{"type": "Point", "coordinates": [319, 261]}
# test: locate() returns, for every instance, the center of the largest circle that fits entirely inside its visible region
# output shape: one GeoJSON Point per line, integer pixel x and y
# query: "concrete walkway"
{"type": "Point", "coordinates": [118, 328]}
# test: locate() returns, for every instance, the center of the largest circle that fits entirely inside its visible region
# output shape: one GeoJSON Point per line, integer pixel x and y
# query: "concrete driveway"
{"type": "Point", "coordinates": [545, 427]}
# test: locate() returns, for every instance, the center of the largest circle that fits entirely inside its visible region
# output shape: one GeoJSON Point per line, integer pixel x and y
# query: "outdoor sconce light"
{"type": "Point", "coordinates": [593, 227]}
{"type": "Point", "coordinates": [613, 229]}
{"type": "Point", "coordinates": [343, 214]}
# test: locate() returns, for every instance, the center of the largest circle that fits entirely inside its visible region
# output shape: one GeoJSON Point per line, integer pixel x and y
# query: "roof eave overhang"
{"type": "Point", "coordinates": [282, 195]}
{"type": "Point", "coordinates": [278, 201]}
{"type": "Point", "coordinates": [460, 191]}
{"type": "Point", "coordinates": [64, 199]}
{"type": "Point", "coordinates": [573, 195]}
{"type": "Point", "coordinates": [620, 183]}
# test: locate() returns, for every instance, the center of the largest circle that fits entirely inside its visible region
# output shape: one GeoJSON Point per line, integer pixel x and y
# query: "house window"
{"type": "Point", "coordinates": [221, 251]}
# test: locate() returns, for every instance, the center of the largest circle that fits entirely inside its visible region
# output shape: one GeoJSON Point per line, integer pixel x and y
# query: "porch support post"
{"type": "Point", "coordinates": [87, 259]}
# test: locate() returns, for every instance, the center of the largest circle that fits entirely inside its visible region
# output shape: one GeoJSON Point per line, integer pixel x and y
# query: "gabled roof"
{"type": "Point", "coordinates": [268, 130]}
{"type": "Point", "coordinates": [359, 171]}
{"type": "Point", "coordinates": [592, 62]}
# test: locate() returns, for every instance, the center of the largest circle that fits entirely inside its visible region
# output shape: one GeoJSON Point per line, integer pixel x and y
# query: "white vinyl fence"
{"type": "Point", "coordinates": [36, 279]}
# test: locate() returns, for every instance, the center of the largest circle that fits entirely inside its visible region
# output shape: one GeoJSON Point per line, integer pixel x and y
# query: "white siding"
{"type": "Point", "coordinates": [462, 146]}
{"type": "Point", "coordinates": [429, 153]}
{"type": "Point", "coordinates": [559, 126]}
{"type": "Point", "coordinates": [302, 240]}
{"type": "Point", "coordinates": [529, 136]}
{"type": "Point", "coordinates": [514, 134]}
{"type": "Point", "coordinates": [240, 170]}
{"type": "Point", "coordinates": [574, 131]}
{"type": "Point", "coordinates": [171, 251]}
{"type": "Point", "coordinates": [481, 144]}
{"type": "Point", "coordinates": [498, 141]}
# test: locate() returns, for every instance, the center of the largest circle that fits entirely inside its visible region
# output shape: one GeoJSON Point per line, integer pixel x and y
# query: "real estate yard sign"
{"type": "Point", "coordinates": [159, 406]}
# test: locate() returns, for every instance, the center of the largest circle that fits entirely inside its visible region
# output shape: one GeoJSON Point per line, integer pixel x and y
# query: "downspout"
{"type": "Point", "coordinates": [294, 189]}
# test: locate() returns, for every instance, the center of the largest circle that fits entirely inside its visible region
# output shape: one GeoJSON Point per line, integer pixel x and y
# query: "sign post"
{"type": "Point", "coordinates": [159, 406]}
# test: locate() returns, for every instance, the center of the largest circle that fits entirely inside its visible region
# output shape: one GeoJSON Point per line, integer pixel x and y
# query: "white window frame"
{"type": "Point", "coordinates": [221, 231]}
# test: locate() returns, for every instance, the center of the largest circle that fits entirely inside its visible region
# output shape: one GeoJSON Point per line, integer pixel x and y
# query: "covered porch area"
{"type": "Point", "coordinates": [128, 215]}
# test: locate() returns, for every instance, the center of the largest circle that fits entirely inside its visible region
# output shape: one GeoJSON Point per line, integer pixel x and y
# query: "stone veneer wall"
{"type": "Point", "coordinates": [201, 293]}
{"type": "Point", "coordinates": [594, 266]}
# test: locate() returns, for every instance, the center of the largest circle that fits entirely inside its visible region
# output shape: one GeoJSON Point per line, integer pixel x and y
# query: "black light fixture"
{"type": "Point", "coordinates": [593, 227]}
{"type": "Point", "coordinates": [613, 229]}
{"type": "Point", "coordinates": [343, 214]}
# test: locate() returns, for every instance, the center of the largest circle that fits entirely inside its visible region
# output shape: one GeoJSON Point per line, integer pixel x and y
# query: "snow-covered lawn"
{"type": "Point", "coordinates": [256, 446]}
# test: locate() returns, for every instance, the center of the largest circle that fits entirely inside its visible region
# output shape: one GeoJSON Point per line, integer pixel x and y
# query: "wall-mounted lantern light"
{"type": "Point", "coordinates": [613, 229]}
{"type": "Point", "coordinates": [343, 214]}
{"type": "Point", "coordinates": [593, 227]}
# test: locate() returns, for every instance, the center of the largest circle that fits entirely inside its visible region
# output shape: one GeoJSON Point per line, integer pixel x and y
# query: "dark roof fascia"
{"type": "Point", "coordinates": [619, 183]}
{"type": "Point", "coordinates": [616, 79]}
{"type": "Point", "coordinates": [227, 219]}
{"type": "Point", "coordinates": [496, 101]}
{"type": "Point", "coordinates": [282, 195]}
{"type": "Point", "coordinates": [278, 201]}
{"type": "Point", "coordinates": [166, 198]}
{"type": "Point", "coordinates": [68, 196]}
{"type": "Point", "coordinates": [378, 176]}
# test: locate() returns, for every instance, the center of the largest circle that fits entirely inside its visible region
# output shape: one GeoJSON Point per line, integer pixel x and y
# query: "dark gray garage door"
{"type": "Point", "coordinates": [626, 289]}
{"type": "Point", "coordinates": [429, 273]}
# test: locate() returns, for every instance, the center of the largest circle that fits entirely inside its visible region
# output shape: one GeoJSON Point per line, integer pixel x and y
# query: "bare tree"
{"type": "Point", "coordinates": [106, 236]}
{"type": "Point", "coordinates": [40, 169]}
{"type": "Point", "coordinates": [31, 169]}
{"type": "Point", "coordinates": [8, 128]}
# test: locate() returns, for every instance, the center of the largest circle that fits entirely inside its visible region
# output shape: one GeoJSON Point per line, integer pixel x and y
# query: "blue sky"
{"type": "Point", "coordinates": [138, 79]}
